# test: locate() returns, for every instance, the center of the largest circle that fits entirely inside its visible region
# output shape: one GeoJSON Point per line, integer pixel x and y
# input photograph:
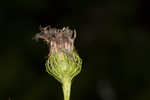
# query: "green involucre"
{"type": "Point", "coordinates": [62, 65]}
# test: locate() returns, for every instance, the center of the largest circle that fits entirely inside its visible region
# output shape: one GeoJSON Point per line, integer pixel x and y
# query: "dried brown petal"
{"type": "Point", "coordinates": [58, 39]}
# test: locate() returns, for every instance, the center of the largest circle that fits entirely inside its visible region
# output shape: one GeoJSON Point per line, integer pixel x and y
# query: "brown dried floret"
{"type": "Point", "coordinates": [58, 39]}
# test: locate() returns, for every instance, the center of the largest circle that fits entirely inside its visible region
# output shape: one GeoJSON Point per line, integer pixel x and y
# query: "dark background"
{"type": "Point", "coordinates": [113, 41]}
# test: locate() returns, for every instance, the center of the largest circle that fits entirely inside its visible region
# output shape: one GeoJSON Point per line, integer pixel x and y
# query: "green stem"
{"type": "Point", "coordinates": [66, 85]}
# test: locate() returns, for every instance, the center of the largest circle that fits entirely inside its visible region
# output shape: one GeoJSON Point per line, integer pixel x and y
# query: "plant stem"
{"type": "Point", "coordinates": [66, 85]}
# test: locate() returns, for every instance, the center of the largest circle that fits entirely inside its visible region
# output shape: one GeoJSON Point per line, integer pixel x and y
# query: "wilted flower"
{"type": "Point", "coordinates": [63, 62]}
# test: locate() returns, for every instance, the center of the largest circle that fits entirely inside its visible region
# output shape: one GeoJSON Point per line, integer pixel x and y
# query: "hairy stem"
{"type": "Point", "coordinates": [66, 85]}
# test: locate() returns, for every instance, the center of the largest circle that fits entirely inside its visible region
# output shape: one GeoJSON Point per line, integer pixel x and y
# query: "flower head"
{"type": "Point", "coordinates": [63, 60]}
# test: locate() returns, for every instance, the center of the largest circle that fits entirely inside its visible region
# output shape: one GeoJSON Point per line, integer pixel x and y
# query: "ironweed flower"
{"type": "Point", "coordinates": [63, 61]}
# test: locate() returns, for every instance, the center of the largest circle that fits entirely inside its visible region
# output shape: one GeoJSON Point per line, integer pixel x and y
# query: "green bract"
{"type": "Point", "coordinates": [61, 65]}
{"type": "Point", "coordinates": [64, 68]}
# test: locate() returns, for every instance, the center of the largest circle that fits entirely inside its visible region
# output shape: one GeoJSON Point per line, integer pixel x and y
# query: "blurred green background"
{"type": "Point", "coordinates": [113, 41]}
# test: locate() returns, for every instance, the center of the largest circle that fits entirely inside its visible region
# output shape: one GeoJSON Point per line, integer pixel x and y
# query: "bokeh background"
{"type": "Point", "coordinates": [113, 41]}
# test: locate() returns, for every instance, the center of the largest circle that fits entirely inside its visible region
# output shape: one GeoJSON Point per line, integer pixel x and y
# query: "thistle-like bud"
{"type": "Point", "coordinates": [63, 61]}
